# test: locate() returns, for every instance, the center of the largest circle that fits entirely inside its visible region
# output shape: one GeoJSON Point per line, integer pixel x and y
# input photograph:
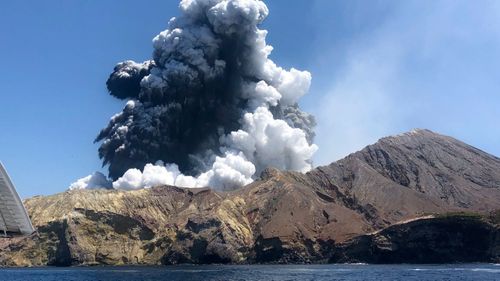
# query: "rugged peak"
{"type": "Point", "coordinates": [435, 165]}
{"type": "Point", "coordinates": [269, 173]}
{"type": "Point", "coordinates": [421, 132]}
{"type": "Point", "coordinates": [415, 136]}
{"type": "Point", "coordinates": [426, 144]}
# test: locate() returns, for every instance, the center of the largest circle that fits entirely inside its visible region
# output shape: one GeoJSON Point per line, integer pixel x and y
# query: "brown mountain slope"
{"type": "Point", "coordinates": [283, 217]}
{"type": "Point", "coordinates": [418, 172]}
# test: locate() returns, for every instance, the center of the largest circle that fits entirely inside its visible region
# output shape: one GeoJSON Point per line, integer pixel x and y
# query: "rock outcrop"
{"type": "Point", "coordinates": [438, 239]}
{"type": "Point", "coordinates": [321, 216]}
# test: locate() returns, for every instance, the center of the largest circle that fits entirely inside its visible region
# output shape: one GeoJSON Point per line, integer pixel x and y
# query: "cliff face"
{"type": "Point", "coordinates": [441, 239]}
{"type": "Point", "coordinates": [150, 226]}
{"type": "Point", "coordinates": [320, 216]}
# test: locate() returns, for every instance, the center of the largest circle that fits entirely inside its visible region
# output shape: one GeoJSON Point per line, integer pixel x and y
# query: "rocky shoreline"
{"type": "Point", "coordinates": [445, 238]}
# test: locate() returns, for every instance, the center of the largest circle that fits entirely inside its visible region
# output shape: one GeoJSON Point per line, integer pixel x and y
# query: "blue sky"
{"type": "Point", "coordinates": [379, 68]}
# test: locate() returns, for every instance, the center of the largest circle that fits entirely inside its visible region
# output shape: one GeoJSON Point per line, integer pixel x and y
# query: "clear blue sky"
{"type": "Point", "coordinates": [379, 68]}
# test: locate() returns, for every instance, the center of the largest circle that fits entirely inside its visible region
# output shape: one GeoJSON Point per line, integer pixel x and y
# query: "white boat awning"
{"type": "Point", "coordinates": [13, 215]}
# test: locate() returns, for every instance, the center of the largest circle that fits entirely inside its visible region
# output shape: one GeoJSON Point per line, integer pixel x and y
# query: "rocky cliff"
{"type": "Point", "coordinates": [351, 210]}
{"type": "Point", "coordinates": [445, 238]}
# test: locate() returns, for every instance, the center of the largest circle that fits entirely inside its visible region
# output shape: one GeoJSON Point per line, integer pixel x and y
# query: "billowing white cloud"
{"type": "Point", "coordinates": [95, 181]}
{"type": "Point", "coordinates": [266, 141]}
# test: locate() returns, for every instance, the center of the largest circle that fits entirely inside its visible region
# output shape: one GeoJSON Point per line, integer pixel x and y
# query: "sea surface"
{"type": "Point", "coordinates": [347, 272]}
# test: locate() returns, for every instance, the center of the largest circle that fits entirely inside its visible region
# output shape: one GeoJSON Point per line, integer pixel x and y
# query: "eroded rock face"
{"type": "Point", "coordinates": [417, 172]}
{"type": "Point", "coordinates": [441, 239]}
{"type": "Point", "coordinates": [321, 216]}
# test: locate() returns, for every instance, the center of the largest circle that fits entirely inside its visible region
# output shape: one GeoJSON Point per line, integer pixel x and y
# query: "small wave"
{"type": "Point", "coordinates": [320, 270]}
{"type": "Point", "coordinates": [478, 269]}
{"type": "Point", "coordinates": [489, 270]}
{"type": "Point", "coordinates": [357, 263]}
{"type": "Point", "coordinates": [196, 270]}
{"type": "Point", "coordinates": [119, 270]}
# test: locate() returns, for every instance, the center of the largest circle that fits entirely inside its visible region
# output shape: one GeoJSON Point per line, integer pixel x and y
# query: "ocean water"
{"type": "Point", "coordinates": [484, 272]}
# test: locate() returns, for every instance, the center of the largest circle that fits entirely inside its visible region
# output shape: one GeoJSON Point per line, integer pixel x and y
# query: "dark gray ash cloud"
{"type": "Point", "coordinates": [210, 104]}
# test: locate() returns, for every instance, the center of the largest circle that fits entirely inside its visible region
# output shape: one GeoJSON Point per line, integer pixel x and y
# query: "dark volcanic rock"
{"type": "Point", "coordinates": [443, 239]}
{"type": "Point", "coordinates": [320, 216]}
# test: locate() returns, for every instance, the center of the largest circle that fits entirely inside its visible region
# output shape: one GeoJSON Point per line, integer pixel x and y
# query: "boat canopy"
{"type": "Point", "coordinates": [13, 216]}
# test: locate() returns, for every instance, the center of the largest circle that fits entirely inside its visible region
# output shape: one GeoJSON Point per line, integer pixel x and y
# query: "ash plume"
{"type": "Point", "coordinates": [210, 104]}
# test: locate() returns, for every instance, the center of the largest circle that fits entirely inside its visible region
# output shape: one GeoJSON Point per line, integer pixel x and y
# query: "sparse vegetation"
{"type": "Point", "coordinates": [495, 217]}
{"type": "Point", "coordinates": [470, 215]}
